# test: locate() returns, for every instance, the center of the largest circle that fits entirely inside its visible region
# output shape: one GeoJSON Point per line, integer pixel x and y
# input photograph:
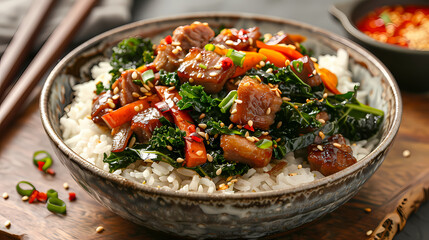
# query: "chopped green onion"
{"type": "Point", "coordinates": [148, 75]}
{"type": "Point", "coordinates": [42, 156]}
{"type": "Point", "coordinates": [25, 192]}
{"type": "Point", "coordinates": [209, 47]}
{"type": "Point", "coordinates": [236, 56]}
{"type": "Point", "coordinates": [52, 193]}
{"type": "Point", "coordinates": [264, 143]}
{"type": "Point", "coordinates": [228, 101]}
{"type": "Point", "coordinates": [56, 205]}
{"type": "Point", "coordinates": [202, 66]}
{"type": "Point", "coordinates": [298, 65]}
{"type": "Point", "coordinates": [385, 17]}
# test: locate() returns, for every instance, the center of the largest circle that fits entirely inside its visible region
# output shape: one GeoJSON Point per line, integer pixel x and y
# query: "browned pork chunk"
{"type": "Point", "coordinates": [239, 149]}
{"type": "Point", "coordinates": [195, 35]}
{"type": "Point", "coordinates": [306, 71]}
{"type": "Point", "coordinates": [121, 135]}
{"type": "Point", "coordinates": [204, 68]}
{"type": "Point", "coordinates": [101, 105]}
{"type": "Point", "coordinates": [168, 57]}
{"type": "Point", "coordinates": [125, 86]}
{"type": "Point", "coordinates": [334, 156]}
{"type": "Point", "coordinates": [242, 40]}
{"type": "Point", "coordinates": [257, 103]}
{"type": "Point", "coordinates": [145, 122]}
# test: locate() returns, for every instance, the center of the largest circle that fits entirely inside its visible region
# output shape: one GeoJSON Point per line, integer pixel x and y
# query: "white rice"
{"type": "Point", "coordinates": [92, 141]}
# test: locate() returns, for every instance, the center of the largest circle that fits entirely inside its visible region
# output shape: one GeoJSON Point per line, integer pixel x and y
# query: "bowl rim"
{"type": "Point", "coordinates": [342, 11]}
{"type": "Point", "coordinates": [57, 140]}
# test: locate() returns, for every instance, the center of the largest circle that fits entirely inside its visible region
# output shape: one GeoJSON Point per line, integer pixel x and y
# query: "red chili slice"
{"type": "Point", "coordinates": [40, 165]}
{"type": "Point", "coordinates": [168, 39]}
{"type": "Point", "coordinates": [226, 63]}
{"type": "Point", "coordinates": [250, 128]}
{"type": "Point", "coordinates": [196, 137]}
{"type": "Point", "coordinates": [72, 196]}
{"type": "Point", "coordinates": [33, 196]}
{"type": "Point", "coordinates": [42, 197]}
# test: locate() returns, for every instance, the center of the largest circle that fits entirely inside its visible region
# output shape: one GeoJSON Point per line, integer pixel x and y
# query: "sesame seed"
{"type": "Point", "coordinates": [135, 94]}
{"type": "Point", "coordinates": [7, 224]}
{"type": "Point", "coordinates": [265, 133]}
{"type": "Point", "coordinates": [320, 147]}
{"type": "Point", "coordinates": [293, 174]}
{"type": "Point", "coordinates": [222, 124]}
{"type": "Point", "coordinates": [175, 43]}
{"type": "Point", "coordinates": [337, 145]}
{"type": "Point", "coordinates": [134, 75]}
{"type": "Point", "coordinates": [368, 210]}
{"type": "Point", "coordinates": [206, 136]}
{"type": "Point", "coordinates": [115, 97]}
{"type": "Point", "coordinates": [213, 74]}
{"type": "Point", "coordinates": [99, 229]}
{"type": "Point", "coordinates": [115, 90]}
{"type": "Point", "coordinates": [150, 84]}
{"type": "Point", "coordinates": [233, 181]}
{"type": "Point", "coordinates": [217, 67]}
{"type": "Point", "coordinates": [229, 42]}
{"type": "Point", "coordinates": [287, 62]}
{"type": "Point", "coordinates": [246, 134]}
{"type": "Point", "coordinates": [279, 124]}
{"type": "Point", "coordinates": [322, 135]}
{"type": "Point", "coordinates": [277, 93]}
{"type": "Point", "coordinates": [199, 56]}
{"type": "Point", "coordinates": [250, 123]}
{"type": "Point", "coordinates": [199, 75]}
{"type": "Point", "coordinates": [179, 48]}
{"type": "Point", "coordinates": [216, 135]}
{"type": "Point", "coordinates": [238, 101]}
{"type": "Point", "coordinates": [132, 142]}
{"type": "Point", "coordinates": [175, 51]}
{"type": "Point", "coordinates": [200, 152]}
{"type": "Point", "coordinates": [258, 78]}
{"type": "Point", "coordinates": [321, 121]}
{"type": "Point", "coordinates": [202, 125]}
{"type": "Point", "coordinates": [148, 160]}
{"type": "Point", "coordinates": [291, 46]}
{"type": "Point", "coordinates": [278, 139]}
{"type": "Point", "coordinates": [209, 158]}
{"type": "Point", "coordinates": [5, 195]}
{"type": "Point", "coordinates": [180, 160]}
{"type": "Point", "coordinates": [202, 134]}
{"type": "Point", "coordinates": [406, 153]}
{"type": "Point", "coordinates": [146, 86]}
{"type": "Point", "coordinates": [369, 233]}
{"type": "Point", "coordinates": [286, 99]}
{"type": "Point", "coordinates": [24, 198]}
{"type": "Point", "coordinates": [171, 88]}
{"type": "Point", "coordinates": [313, 59]}
{"type": "Point", "coordinates": [143, 90]}
{"type": "Point", "coordinates": [202, 116]}
{"type": "Point", "coordinates": [191, 80]}
{"type": "Point", "coordinates": [205, 24]}
{"type": "Point", "coordinates": [299, 166]}
{"type": "Point", "coordinates": [262, 63]}
{"type": "Point", "coordinates": [239, 126]}
{"type": "Point", "coordinates": [269, 70]}
{"type": "Point", "coordinates": [314, 72]}
{"type": "Point", "coordinates": [325, 95]}
{"type": "Point", "coordinates": [219, 171]}
{"type": "Point", "coordinates": [230, 126]}
{"type": "Point", "coordinates": [251, 139]}
{"type": "Point", "coordinates": [233, 111]}
{"type": "Point", "coordinates": [271, 85]}
{"type": "Point", "coordinates": [196, 22]}
{"type": "Point", "coordinates": [65, 186]}
{"type": "Point", "coordinates": [220, 46]}
{"type": "Point", "coordinates": [256, 139]}
{"type": "Point", "coordinates": [142, 97]}
{"type": "Point", "coordinates": [267, 36]}
{"type": "Point", "coordinates": [268, 111]}
{"type": "Point", "coordinates": [170, 148]}
{"type": "Point", "coordinates": [136, 108]}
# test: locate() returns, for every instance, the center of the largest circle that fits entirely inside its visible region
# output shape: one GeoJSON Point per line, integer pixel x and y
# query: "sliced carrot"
{"type": "Point", "coordinates": [329, 79]}
{"type": "Point", "coordinates": [276, 58]}
{"type": "Point", "coordinates": [297, 38]}
{"type": "Point", "coordinates": [250, 60]}
{"type": "Point", "coordinates": [126, 113]}
{"type": "Point", "coordinates": [195, 152]}
{"type": "Point", "coordinates": [144, 68]}
{"type": "Point", "coordinates": [289, 52]}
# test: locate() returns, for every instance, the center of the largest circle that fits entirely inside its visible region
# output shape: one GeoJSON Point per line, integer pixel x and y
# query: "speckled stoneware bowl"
{"type": "Point", "coordinates": [245, 215]}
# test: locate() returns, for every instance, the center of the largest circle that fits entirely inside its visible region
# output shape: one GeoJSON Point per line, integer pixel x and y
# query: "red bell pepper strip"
{"type": "Point", "coordinates": [195, 152]}
{"type": "Point", "coordinates": [289, 52]}
{"type": "Point", "coordinates": [126, 113]}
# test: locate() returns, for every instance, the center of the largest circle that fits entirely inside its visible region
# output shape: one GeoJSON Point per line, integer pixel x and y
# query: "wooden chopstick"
{"type": "Point", "coordinates": [47, 55]}
{"type": "Point", "coordinates": [22, 42]}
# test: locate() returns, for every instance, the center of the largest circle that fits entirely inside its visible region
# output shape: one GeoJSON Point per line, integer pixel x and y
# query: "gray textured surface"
{"type": "Point", "coordinates": [314, 12]}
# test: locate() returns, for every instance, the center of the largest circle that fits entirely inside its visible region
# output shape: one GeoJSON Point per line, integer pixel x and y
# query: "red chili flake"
{"type": "Point", "coordinates": [42, 197]}
{"type": "Point", "coordinates": [310, 75]}
{"type": "Point", "coordinates": [168, 39]}
{"type": "Point", "coordinates": [226, 63]}
{"type": "Point", "coordinates": [72, 196]}
{"type": "Point", "coordinates": [33, 196]}
{"type": "Point", "coordinates": [250, 128]}
{"type": "Point", "coordinates": [194, 136]}
{"type": "Point", "coordinates": [40, 165]}
{"type": "Point", "coordinates": [50, 171]}
{"type": "Point", "coordinates": [191, 128]}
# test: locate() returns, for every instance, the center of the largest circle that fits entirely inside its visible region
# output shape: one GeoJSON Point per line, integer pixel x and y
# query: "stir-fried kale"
{"type": "Point", "coordinates": [131, 53]}
{"type": "Point", "coordinates": [99, 88]}
{"type": "Point", "coordinates": [219, 162]}
{"type": "Point", "coordinates": [169, 78]}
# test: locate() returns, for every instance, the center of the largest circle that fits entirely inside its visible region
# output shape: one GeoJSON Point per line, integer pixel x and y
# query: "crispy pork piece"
{"type": "Point", "coordinates": [101, 105]}
{"type": "Point", "coordinates": [331, 157]}
{"type": "Point", "coordinates": [145, 122]}
{"type": "Point", "coordinates": [121, 135]}
{"type": "Point", "coordinates": [195, 35]}
{"type": "Point", "coordinates": [258, 103]}
{"type": "Point", "coordinates": [205, 68]}
{"type": "Point", "coordinates": [307, 72]}
{"type": "Point", "coordinates": [128, 90]}
{"type": "Point", "coordinates": [239, 149]}
{"type": "Point", "coordinates": [241, 40]}
{"type": "Point", "coordinates": [168, 57]}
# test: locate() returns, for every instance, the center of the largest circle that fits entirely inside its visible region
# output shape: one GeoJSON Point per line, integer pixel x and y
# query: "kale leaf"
{"type": "Point", "coordinates": [168, 136]}
{"type": "Point", "coordinates": [228, 168]}
{"type": "Point", "coordinates": [169, 78]}
{"type": "Point", "coordinates": [131, 53]}
{"type": "Point", "coordinates": [99, 88]}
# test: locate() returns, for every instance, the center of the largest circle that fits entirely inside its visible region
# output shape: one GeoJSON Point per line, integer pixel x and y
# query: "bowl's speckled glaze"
{"type": "Point", "coordinates": [198, 215]}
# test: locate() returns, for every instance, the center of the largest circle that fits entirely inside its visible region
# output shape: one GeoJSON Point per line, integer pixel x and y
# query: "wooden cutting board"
{"type": "Point", "coordinates": [395, 191]}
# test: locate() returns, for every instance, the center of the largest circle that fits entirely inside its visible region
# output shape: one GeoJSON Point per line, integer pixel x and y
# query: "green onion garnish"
{"type": "Point", "coordinates": [264, 143]}
{"type": "Point", "coordinates": [228, 101]}
{"type": "Point", "coordinates": [236, 56]}
{"type": "Point", "coordinates": [148, 75]}
{"type": "Point", "coordinates": [202, 66]}
{"type": "Point", "coordinates": [25, 192]}
{"type": "Point", "coordinates": [298, 65]}
{"type": "Point", "coordinates": [42, 156]}
{"type": "Point", "coordinates": [56, 205]}
{"type": "Point", "coordinates": [52, 193]}
{"type": "Point", "coordinates": [209, 47]}
{"type": "Point", "coordinates": [385, 17]}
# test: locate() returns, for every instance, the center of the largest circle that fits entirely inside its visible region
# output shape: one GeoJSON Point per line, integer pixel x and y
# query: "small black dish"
{"type": "Point", "coordinates": [409, 66]}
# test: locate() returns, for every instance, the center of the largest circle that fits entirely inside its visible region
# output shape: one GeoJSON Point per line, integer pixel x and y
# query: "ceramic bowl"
{"type": "Point", "coordinates": [197, 215]}
{"type": "Point", "coordinates": [407, 65]}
